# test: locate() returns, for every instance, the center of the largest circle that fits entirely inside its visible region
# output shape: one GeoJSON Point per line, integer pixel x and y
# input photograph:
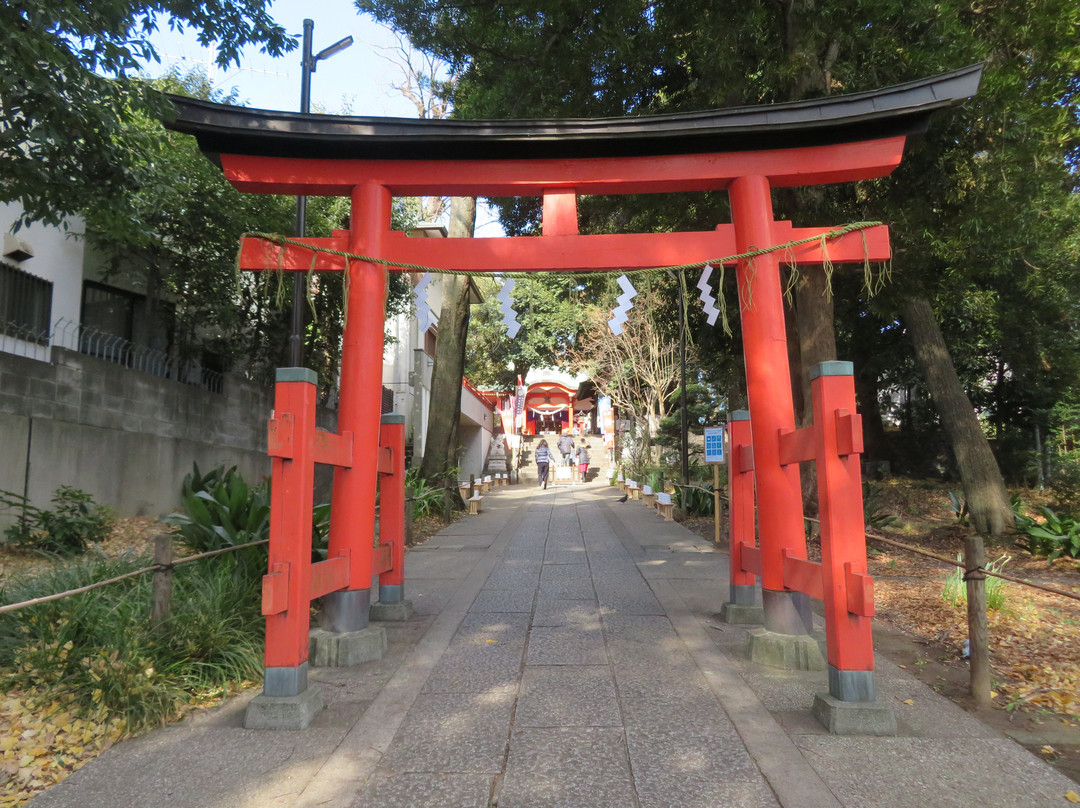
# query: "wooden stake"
{"type": "Point", "coordinates": [978, 629]}
{"type": "Point", "coordinates": [716, 501]}
{"type": "Point", "coordinates": [161, 607]}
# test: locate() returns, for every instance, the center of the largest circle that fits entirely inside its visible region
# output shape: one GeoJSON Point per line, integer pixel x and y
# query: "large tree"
{"type": "Point", "coordinates": [70, 85]}
{"type": "Point", "coordinates": [622, 57]}
{"type": "Point", "coordinates": [441, 444]}
{"type": "Point", "coordinates": [637, 369]}
{"type": "Point", "coordinates": [177, 232]}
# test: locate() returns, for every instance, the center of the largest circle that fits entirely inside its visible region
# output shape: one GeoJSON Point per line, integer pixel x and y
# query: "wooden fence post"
{"type": "Point", "coordinates": [716, 503]}
{"type": "Point", "coordinates": [161, 607]}
{"type": "Point", "coordinates": [978, 629]}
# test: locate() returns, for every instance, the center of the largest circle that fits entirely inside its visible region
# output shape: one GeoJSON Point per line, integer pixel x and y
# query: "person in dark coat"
{"type": "Point", "coordinates": [543, 458]}
{"type": "Point", "coordinates": [583, 461]}
{"type": "Point", "coordinates": [566, 447]}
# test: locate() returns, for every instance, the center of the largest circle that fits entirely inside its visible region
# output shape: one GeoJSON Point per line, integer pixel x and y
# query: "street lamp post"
{"type": "Point", "coordinates": [307, 67]}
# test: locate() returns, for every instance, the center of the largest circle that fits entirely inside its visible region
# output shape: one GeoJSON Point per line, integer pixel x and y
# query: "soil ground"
{"type": "Point", "coordinates": [1035, 636]}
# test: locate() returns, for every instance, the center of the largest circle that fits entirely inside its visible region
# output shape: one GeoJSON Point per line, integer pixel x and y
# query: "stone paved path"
{"type": "Point", "coordinates": [565, 653]}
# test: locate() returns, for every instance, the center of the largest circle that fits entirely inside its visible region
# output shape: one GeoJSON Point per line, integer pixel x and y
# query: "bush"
{"type": "Point", "coordinates": [696, 499]}
{"type": "Point", "coordinates": [875, 511]}
{"type": "Point", "coordinates": [68, 528]}
{"type": "Point", "coordinates": [427, 499]}
{"type": "Point", "coordinates": [1055, 537]}
{"type": "Point", "coordinates": [96, 652]}
{"type": "Point", "coordinates": [221, 510]}
{"type": "Point", "coordinates": [1064, 482]}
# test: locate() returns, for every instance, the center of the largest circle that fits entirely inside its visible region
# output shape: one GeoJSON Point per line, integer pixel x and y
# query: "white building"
{"type": "Point", "coordinates": [407, 366]}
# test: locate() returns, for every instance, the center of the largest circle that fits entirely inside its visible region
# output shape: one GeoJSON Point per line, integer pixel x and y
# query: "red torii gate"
{"type": "Point", "coordinates": [747, 152]}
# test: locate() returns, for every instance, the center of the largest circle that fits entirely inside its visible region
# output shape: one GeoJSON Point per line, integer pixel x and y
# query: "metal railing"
{"type": "Point", "coordinates": [101, 344]}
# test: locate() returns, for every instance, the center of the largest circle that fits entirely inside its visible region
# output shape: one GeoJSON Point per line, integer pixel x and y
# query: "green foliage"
{"type": "Point", "coordinates": [875, 513]}
{"type": "Point", "coordinates": [97, 652]}
{"type": "Point", "coordinates": [958, 505]}
{"type": "Point", "coordinates": [1065, 480]}
{"type": "Point", "coordinates": [955, 590]}
{"type": "Point", "coordinates": [550, 311]}
{"type": "Point", "coordinates": [427, 499]}
{"type": "Point", "coordinates": [982, 212]}
{"type": "Point", "coordinates": [1055, 537]}
{"type": "Point", "coordinates": [69, 90]}
{"type": "Point", "coordinates": [696, 499]}
{"type": "Point", "coordinates": [221, 510]}
{"type": "Point", "coordinates": [72, 524]}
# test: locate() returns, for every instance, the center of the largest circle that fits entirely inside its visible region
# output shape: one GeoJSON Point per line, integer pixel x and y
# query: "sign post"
{"type": "Point", "coordinates": [714, 454]}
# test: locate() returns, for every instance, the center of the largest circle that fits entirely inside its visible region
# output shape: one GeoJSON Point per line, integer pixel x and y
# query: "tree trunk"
{"type": "Point", "coordinates": [987, 499]}
{"type": "Point", "coordinates": [817, 343]}
{"type": "Point", "coordinates": [875, 442]}
{"type": "Point", "coordinates": [817, 337]}
{"type": "Point", "coordinates": [440, 446]}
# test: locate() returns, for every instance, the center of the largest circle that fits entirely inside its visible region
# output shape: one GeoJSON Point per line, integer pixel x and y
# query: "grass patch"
{"type": "Point", "coordinates": [96, 655]}
{"type": "Point", "coordinates": [955, 589]}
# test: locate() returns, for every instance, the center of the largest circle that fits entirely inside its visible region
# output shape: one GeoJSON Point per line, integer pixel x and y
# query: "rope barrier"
{"type": "Point", "coordinates": [943, 559]}
{"type": "Point", "coordinates": [283, 241]}
{"type": "Point", "coordinates": [11, 607]}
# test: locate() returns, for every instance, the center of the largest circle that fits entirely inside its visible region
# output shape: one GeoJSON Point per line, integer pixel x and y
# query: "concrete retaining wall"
{"type": "Point", "coordinates": [126, 437]}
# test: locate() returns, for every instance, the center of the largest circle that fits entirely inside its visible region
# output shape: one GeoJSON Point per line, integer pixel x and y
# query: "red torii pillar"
{"type": "Point", "coordinates": [768, 389]}
{"type": "Point", "coordinates": [352, 516]}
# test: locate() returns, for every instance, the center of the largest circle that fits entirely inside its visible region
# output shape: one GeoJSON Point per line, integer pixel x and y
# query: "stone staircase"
{"type": "Point", "coordinates": [598, 465]}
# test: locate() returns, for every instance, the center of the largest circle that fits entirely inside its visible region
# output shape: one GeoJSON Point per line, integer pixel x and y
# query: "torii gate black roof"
{"type": "Point", "coordinates": [904, 109]}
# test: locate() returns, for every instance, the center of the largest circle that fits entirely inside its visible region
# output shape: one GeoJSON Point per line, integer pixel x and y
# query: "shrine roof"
{"type": "Point", "coordinates": [904, 109]}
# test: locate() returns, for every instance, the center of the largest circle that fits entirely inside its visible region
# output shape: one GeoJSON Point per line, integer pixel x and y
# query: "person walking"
{"type": "Point", "coordinates": [566, 446]}
{"type": "Point", "coordinates": [543, 457]}
{"type": "Point", "coordinates": [583, 460]}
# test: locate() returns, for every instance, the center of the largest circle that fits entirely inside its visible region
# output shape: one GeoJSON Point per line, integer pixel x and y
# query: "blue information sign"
{"type": "Point", "coordinates": [714, 444]}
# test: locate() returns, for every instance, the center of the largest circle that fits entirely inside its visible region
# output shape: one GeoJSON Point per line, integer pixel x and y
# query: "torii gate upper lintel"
{"type": "Point", "coordinates": [746, 152]}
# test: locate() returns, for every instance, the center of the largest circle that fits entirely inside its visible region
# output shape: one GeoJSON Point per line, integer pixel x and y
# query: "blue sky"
{"type": "Point", "coordinates": [356, 80]}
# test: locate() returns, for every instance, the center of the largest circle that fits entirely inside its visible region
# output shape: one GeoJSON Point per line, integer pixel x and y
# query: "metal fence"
{"type": "Point", "coordinates": [94, 342]}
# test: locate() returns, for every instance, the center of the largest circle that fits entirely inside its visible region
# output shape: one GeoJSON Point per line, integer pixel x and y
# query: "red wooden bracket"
{"type": "Point", "coordinates": [751, 558]}
{"type": "Point", "coordinates": [744, 459]}
{"type": "Point", "coordinates": [386, 460]}
{"type": "Point", "coordinates": [333, 450]}
{"type": "Point", "coordinates": [849, 434]}
{"type": "Point", "coordinates": [382, 560]}
{"type": "Point", "coordinates": [803, 576]}
{"type": "Point", "coordinates": [797, 446]}
{"type": "Point", "coordinates": [275, 590]}
{"type": "Point", "coordinates": [329, 576]}
{"type": "Point", "coordinates": [860, 592]}
{"type": "Point", "coordinates": [279, 436]}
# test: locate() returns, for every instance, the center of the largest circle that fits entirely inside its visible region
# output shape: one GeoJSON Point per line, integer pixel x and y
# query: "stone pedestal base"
{"type": "Point", "coordinates": [402, 610]}
{"type": "Point", "coordinates": [742, 614]}
{"type": "Point", "coordinates": [795, 652]}
{"type": "Point", "coordinates": [854, 717]}
{"type": "Point", "coordinates": [283, 712]}
{"type": "Point", "coordinates": [330, 649]}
